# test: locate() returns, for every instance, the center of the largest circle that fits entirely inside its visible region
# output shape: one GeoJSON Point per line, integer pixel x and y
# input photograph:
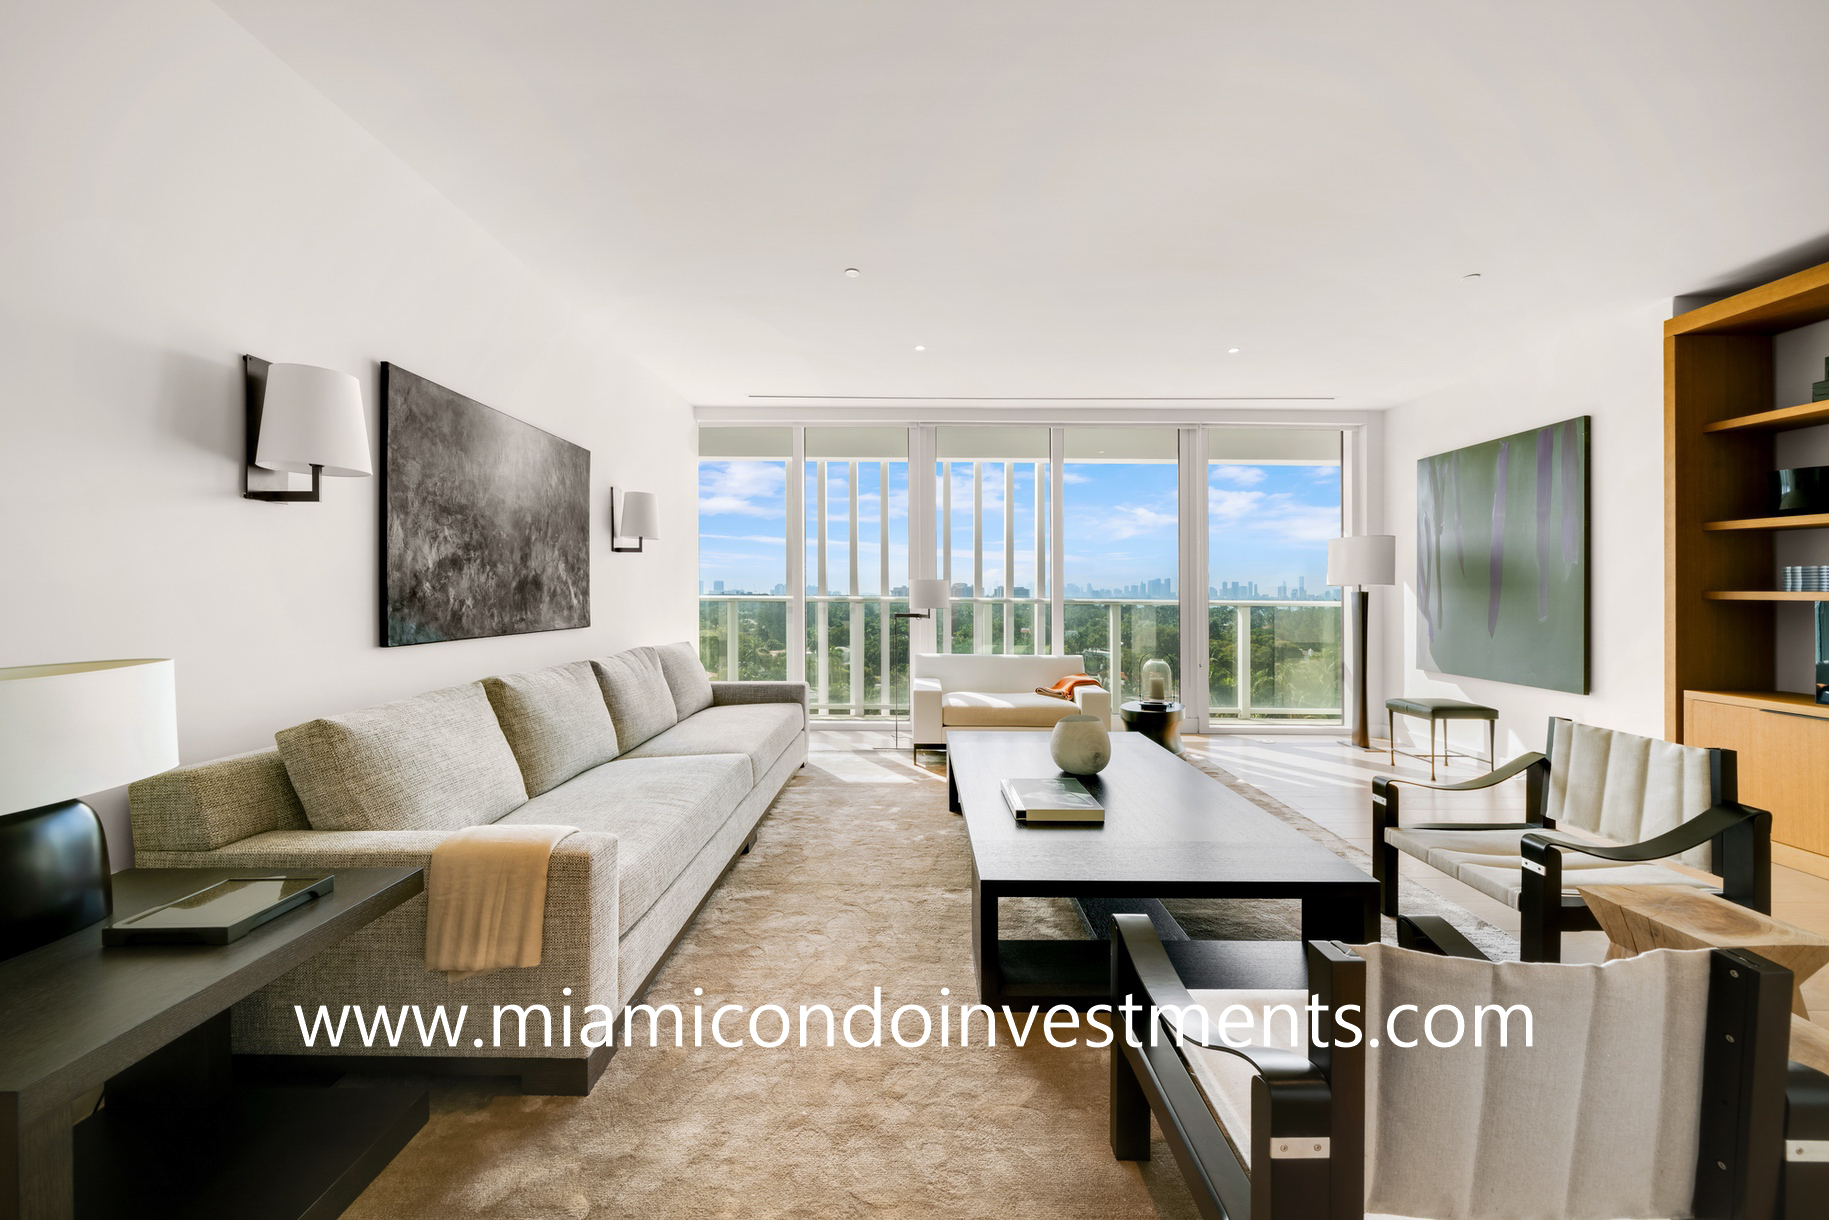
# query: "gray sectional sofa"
{"type": "Point", "coordinates": [664, 772]}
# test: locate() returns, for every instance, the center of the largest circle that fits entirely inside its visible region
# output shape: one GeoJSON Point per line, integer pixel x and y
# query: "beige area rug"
{"type": "Point", "coordinates": [859, 879]}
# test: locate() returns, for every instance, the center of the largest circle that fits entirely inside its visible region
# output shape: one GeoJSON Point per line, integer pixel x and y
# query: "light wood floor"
{"type": "Point", "coordinates": [1328, 780]}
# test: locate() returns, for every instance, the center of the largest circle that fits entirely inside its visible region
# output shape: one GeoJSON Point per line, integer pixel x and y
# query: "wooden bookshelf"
{"type": "Point", "coordinates": [1798, 521]}
{"type": "Point", "coordinates": [1782, 420]}
{"type": "Point", "coordinates": [1720, 618]}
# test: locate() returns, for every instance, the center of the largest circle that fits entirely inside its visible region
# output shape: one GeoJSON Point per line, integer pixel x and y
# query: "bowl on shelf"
{"type": "Point", "coordinates": [1804, 489]}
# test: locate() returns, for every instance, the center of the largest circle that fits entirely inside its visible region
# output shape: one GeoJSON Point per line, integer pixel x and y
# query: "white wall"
{"type": "Point", "coordinates": [1610, 368]}
{"type": "Point", "coordinates": [172, 197]}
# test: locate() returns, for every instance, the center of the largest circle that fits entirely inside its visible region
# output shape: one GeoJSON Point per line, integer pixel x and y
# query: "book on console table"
{"type": "Point", "coordinates": [1055, 799]}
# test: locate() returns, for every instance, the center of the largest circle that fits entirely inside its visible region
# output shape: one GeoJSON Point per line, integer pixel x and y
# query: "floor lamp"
{"type": "Point", "coordinates": [1360, 561]}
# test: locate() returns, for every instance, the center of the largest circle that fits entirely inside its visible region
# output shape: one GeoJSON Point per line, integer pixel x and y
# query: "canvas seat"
{"type": "Point", "coordinates": [1602, 807]}
{"type": "Point", "coordinates": [1606, 1108]}
{"type": "Point", "coordinates": [1503, 880]}
{"type": "Point", "coordinates": [1006, 709]}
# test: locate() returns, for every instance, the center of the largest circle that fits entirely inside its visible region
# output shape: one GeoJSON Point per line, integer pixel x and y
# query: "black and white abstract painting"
{"type": "Point", "coordinates": [486, 519]}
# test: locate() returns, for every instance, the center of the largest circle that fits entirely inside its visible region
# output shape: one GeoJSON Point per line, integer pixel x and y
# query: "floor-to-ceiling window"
{"type": "Point", "coordinates": [1099, 541]}
{"type": "Point", "coordinates": [991, 506]}
{"type": "Point", "coordinates": [743, 555]}
{"type": "Point", "coordinates": [856, 498]}
{"type": "Point", "coordinates": [1120, 498]}
{"type": "Point", "coordinates": [1274, 627]}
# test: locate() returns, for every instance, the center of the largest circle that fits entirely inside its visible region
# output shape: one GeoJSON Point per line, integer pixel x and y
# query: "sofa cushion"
{"type": "Point", "coordinates": [555, 720]}
{"type": "Point", "coordinates": [635, 687]}
{"type": "Point", "coordinates": [760, 731]}
{"type": "Point", "coordinates": [686, 678]}
{"type": "Point", "coordinates": [437, 761]}
{"type": "Point", "coordinates": [661, 810]}
{"type": "Point", "coordinates": [209, 805]}
{"type": "Point", "coordinates": [1025, 709]}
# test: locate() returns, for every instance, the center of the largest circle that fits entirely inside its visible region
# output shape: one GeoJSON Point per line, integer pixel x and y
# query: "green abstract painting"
{"type": "Point", "coordinates": [1502, 559]}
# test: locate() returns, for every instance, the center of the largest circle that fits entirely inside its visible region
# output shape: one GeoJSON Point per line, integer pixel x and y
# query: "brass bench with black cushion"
{"type": "Point", "coordinates": [1433, 710]}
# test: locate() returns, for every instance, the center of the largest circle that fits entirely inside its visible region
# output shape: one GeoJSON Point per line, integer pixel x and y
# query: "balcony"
{"type": "Point", "coordinates": [1291, 649]}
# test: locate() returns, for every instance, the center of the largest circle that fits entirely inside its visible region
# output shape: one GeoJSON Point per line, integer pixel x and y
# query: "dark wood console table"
{"type": "Point", "coordinates": [176, 1135]}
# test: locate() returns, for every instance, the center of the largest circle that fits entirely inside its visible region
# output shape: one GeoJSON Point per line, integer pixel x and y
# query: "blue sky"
{"type": "Point", "coordinates": [1268, 524]}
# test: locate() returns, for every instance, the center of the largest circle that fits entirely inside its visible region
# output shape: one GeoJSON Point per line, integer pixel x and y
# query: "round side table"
{"type": "Point", "coordinates": [1161, 725]}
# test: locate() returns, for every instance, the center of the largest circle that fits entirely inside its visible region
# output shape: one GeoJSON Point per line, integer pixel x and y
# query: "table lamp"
{"type": "Point", "coordinates": [1361, 560]}
{"type": "Point", "coordinates": [67, 730]}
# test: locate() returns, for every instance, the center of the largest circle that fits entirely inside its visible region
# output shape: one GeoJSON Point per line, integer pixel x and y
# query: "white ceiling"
{"type": "Point", "coordinates": [1086, 200]}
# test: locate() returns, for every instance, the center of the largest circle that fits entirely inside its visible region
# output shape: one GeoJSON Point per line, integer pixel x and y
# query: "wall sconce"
{"type": "Point", "coordinates": [640, 519]}
{"type": "Point", "coordinates": [926, 596]}
{"type": "Point", "coordinates": [301, 420]}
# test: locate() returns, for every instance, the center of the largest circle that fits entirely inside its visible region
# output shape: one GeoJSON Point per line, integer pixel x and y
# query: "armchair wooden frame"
{"type": "Point", "coordinates": [1741, 839]}
{"type": "Point", "coordinates": [1762, 1149]}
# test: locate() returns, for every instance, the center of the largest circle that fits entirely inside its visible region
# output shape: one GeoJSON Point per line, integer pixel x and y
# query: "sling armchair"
{"type": "Point", "coordinates": [1651, 1086]}
{"type": "Point", "coordinates": [1650, 799]}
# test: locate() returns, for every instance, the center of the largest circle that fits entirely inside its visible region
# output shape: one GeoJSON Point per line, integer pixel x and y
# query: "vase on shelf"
{"type": "Point", "coordinates": [1820, 390]}
{"type": "Point", "coordinates": [1080, 745]}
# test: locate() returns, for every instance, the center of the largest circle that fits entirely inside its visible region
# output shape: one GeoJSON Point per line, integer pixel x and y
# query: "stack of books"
{"type": "Point", "coordinates": [1054, 799]}
{"type": "Point", "coordinates": [1807, 578]}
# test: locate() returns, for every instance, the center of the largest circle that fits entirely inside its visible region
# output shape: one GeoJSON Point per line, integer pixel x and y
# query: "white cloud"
{"type": "Point", "coordinates": [1233, 506]}
{"type": "Point", "coordinates": [1276, 515]}
{"type": "Point", "coordinates": [747, 489]}
{"type": "Point", "coordinates": [769, 539]}
{"type": "Point", "coordinates": [1243, 476]}
{"type": "Point", "coordinates": [1129, 520]}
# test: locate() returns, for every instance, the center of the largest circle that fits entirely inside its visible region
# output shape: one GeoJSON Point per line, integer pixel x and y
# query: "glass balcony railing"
{"type": "Point", "coordinates": [1290, 649]}
{"type": "Point", "coordinates": [743, 638]}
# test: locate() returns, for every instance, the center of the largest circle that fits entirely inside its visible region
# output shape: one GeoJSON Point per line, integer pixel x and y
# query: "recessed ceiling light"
{"type": "Point", "coordinates": [1471, 275]}
{"type": "Point", "coordinates": [853, 272]}
{"type": "Point", "coordinates": [919, 348]}
{"type": "Point", "coordinates": [1231, 351]}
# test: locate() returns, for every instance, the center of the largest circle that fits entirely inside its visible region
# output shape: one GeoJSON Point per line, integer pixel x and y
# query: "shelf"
{"type": "Point", "coordinates": [1764, 595]}
{"type": "Point", "coordinates": [1802, 521]}
{"type": "Point", "coordinates": [1766, 700]}
{"type": "Point", "coordinates": [1783, 420]}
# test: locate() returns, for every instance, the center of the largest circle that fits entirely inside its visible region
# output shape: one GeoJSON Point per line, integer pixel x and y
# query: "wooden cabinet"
{"type": "Point", "coordinates": [1782, 743]}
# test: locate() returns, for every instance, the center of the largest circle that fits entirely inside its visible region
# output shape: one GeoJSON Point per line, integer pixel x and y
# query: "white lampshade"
{"type": "Point", "coordinates": [1362, 559]}
{"type": "Point", "coordinates": [313, 417]}
{"type": "Point", "coordinates": [929, 595]}
{"type": "Point", "coordinates": [640, 517]}
{"type": "Point", "coordinates": [70, 730]}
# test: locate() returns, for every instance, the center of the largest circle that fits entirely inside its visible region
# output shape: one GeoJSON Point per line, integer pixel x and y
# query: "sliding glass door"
{"type": "Point", "coordinates": [1121, 554]}
{"type": "Point", "coordinates": [856, 542]}
{"type": "Point", "coordinates": [743, 552]}
{"type": "Point", "coordinates": [991, 504]}
{"type": "Point", "coordinates": [1274, 628]}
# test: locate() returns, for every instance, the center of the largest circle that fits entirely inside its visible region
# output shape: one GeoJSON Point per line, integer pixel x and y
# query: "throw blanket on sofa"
{"type": "Point", "coordinates": [486, 898]}
{"type": "Point", "coordinates": [1066, 686]}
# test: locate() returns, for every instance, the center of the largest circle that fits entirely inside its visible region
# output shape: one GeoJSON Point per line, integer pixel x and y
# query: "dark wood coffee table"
{"type": "Point", "coordinates": [1170, 831]}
